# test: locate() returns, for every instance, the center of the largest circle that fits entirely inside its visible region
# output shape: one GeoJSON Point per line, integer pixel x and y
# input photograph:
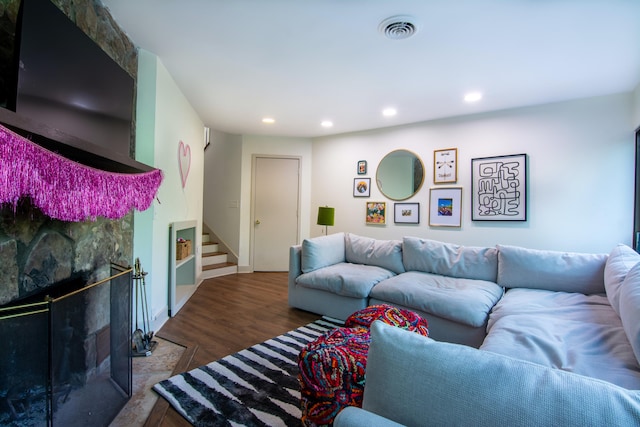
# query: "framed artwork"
{"type": "Point", "coordinates": [445, 166]}
{"type": "Point", "coordinates": [362, 167]}
{"type": "Point", "coordinates": [406, 213]}
{"type": "Point", "coordinates": [376, 213]}
{"type": "Point", "coordinates": [499, 188]}
{"type": "Point", "coordinates": [445, 207]}
{"type": "Point", "coordinates": [361, 187]}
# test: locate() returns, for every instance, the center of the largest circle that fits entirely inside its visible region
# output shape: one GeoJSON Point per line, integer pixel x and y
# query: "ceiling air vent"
{"type": "Point", "coordinates": [398, 27]}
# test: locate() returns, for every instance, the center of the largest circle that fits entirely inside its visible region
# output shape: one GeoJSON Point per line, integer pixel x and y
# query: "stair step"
{"type": "Point", "coordinates": [210, 247]}
{"type": "Point", "coordinates": [214, 258]}
{"type": "Point", "coordinates": [205, 238]}
{"type": "Point", "coordinates": [220, 269]}
{"type": "Point", "coordinates": [219, 265]}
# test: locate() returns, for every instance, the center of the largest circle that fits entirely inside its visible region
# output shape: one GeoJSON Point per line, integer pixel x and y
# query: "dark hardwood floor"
{"type": "Point", "coordinates": [225, 315]}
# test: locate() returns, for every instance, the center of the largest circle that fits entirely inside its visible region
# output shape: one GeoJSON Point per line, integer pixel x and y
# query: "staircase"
{"type": "Point", "coordinates": [214, 262]}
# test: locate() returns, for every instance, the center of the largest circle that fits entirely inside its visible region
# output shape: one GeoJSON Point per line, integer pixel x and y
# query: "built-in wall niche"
{"type": "Point", "coordinates": [182, 272]}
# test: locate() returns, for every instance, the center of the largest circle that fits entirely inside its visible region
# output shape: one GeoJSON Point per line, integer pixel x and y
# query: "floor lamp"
{"type": "Point", "coordinates": [325, 217]}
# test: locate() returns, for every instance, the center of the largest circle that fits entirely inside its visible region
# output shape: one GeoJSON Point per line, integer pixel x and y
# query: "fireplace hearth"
{"type": "Point", "coordinates": [66, 359]}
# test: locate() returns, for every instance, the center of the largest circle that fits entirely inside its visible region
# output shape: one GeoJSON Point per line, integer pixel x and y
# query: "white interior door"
{"type": "Point", "coordinates": [275, 211]}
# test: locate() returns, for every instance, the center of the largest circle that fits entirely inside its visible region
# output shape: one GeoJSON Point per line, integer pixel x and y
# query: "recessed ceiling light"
{"type": "Point", "coordinates": [268, 120]}
{"type": "Point", "coordinates": [326, 124]}
{"type": "Point", "coordinates": [473, 97]}
{"type": "Point", "coordinates": [389, 112]}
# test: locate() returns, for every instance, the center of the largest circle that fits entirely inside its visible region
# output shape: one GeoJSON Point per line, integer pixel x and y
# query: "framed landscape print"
{"type": "Point", "coordinates": [445, 207]}
{"type": "Point", "coordinates": [499, 188]}
{"type": "Point", "coordinates": [362, 187]}
{"type": "Point", "coordinates": [445, 166]}
{"type": "Point", "coordinates": [406, 213]}
{"type": "Point", "coordinates": [376, 213]}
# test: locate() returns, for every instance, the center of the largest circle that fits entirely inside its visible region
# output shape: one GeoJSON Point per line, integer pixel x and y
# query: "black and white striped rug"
{"type": "Point", "coordinates": [257, 386]}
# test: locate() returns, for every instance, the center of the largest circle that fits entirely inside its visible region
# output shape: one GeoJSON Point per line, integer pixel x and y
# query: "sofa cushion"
{"type": "Point", "coordinates": [618, 264]}
{"type": "Point", "coordinates": [569, 331]}
{"type": "Point", "coordinates": [552, 270]}
{"type": "Point", "coordinates": [465, 301]}
{"type": "Point", "coordinates": [346, 279]}
{"type": "Point", "coordinates": [448, 259]}
{"type": "Point", "coordinates": [383, 253]}
{"type": "Point", "coordinates": [410, 377]}
{"type": "Point", "coordinates": [630, 308]}
{"type": "Point", "coordinates": [322, 251]}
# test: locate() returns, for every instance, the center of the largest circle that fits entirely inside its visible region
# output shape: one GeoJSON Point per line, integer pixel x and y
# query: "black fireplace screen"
{"type": "Point", "coordinates": [67, 361]}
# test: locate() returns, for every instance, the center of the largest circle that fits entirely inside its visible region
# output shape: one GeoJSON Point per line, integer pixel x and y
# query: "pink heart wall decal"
{"type": "Point", "coordinates": [184, 161]}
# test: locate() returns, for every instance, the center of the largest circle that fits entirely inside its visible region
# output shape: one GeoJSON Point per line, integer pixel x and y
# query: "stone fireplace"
{"type": "Point", "coordinates": [66, 355]}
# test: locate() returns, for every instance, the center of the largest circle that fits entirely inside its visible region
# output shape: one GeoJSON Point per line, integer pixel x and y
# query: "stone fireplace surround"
{"type": "Point", "coordinates": [37, 252]}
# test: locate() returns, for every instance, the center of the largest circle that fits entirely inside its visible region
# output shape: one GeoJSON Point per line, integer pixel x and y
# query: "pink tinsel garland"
{"type": "Point", "coordinates": [66, 190]}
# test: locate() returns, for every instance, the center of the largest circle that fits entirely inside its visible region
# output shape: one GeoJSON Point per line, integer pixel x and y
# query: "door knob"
{"type": "Point", "coordinates": [257, 222]}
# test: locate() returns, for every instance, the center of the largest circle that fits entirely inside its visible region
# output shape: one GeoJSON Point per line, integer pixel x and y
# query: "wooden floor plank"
{"type": "Point", "coordinates": [225, 315]}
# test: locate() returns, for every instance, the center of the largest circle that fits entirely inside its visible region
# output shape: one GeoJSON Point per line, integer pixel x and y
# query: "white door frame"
{"type": "Point", "coordinates": [254, 159]}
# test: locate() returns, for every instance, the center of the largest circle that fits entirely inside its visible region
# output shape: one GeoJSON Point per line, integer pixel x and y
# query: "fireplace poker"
{"type": "Point", "coordinates": [145, 312]}
{"type": "Point", "coordinates": [138, 335]}
{"type": "Point", "coordinates": [142, 338]}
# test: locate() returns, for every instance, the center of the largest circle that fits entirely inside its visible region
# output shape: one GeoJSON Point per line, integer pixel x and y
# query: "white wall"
{"type": "Point", "coordinates": [171, 121]}
{"type": "Point", "coordinates": [222, 179]}
{"type": "Point", "coordinates": [581, 174]}
{"type": "Point", "coordinates": [269, 145]}
{"type": "Point", "coordinates": [636, 107]}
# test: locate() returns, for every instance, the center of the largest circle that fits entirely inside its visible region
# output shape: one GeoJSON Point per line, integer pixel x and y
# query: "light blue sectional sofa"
{"type": "Point", "coordinates": [556, 334]}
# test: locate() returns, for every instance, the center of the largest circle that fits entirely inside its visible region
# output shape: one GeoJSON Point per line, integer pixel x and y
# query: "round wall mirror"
{"type": "Point", "coordinates": [400, 175]}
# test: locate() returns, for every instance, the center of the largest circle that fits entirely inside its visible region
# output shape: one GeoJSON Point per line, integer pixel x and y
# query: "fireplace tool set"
{"type": "Point", "coordinates": [142, 342]}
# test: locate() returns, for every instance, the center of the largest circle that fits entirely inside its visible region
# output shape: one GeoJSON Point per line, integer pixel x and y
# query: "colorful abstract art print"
{"type": "Point", "coordinates": [376, 213]}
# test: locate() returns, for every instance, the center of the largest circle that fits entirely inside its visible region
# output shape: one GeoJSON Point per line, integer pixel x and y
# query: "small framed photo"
{"type": "Point", "coordinates": [445, 207]}
{"type": "Point", "coordinates": [362, 167]}
{"type": "Point", "coordinates": [361, 187]}
{"type": "Point", "coordinates": [499, 188]}
{"type": "Point", "coordinates": [376, 213]}
{"type": "Point", "coordinates": [445, 166]}
{"type": "Point", "coordinates": [406, 213]}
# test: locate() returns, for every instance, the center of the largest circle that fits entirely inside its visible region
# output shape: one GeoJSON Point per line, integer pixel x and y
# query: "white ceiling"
{"type": "Point", "coordinates": [304, 61]}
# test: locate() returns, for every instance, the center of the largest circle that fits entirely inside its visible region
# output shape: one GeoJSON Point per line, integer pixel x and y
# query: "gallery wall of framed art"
{"type": "Point", "coordinates": [497, 192]}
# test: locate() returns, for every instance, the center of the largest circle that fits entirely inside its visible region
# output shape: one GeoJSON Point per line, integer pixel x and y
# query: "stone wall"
{"type": "Point", "coordinates": [37, 251]}
{"type": "Point", "coordinates": [96, 21]}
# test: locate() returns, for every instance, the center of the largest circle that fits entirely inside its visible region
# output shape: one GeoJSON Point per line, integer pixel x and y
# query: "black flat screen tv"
{"type": "Point", "coordinates": [67, 82]}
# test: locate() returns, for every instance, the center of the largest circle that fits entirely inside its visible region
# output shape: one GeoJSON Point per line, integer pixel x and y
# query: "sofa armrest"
{"type": "Point", "coordinates": [295, 265]}
{"type": "Point", "coordinates": [352, 416]}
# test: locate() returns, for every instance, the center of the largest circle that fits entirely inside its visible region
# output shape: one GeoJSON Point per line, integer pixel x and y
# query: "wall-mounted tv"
{"type": "Point", "coordinates": [66, 81]}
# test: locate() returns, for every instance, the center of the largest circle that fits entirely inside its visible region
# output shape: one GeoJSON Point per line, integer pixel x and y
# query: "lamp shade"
{"type": "Point", "coordinates": [325, 215]}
